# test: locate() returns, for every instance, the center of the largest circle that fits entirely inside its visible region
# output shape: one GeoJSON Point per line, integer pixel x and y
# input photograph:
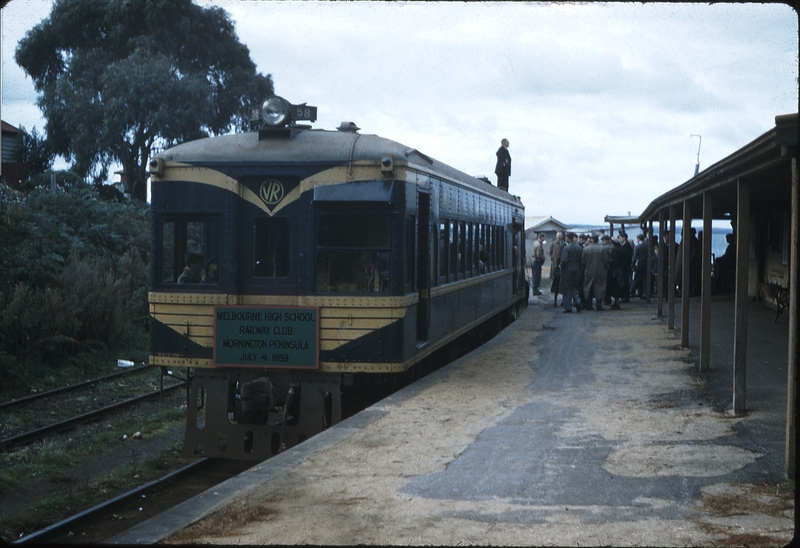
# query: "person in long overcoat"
{"type": "Point", "coordinates": [695, 263]}
{"type": "Point", "coordinates": [616, 276]}
{"type": "Point", "coordinates": [595, 266]}
{"type": "Point", "coordinates": [571, 273]}
{"type": "Point", "coordinates": [639, 265]}
{"type": "Point", "coordinates": [503, 167]}
{"type": "Point", "coordinates": [665, 259]}
{"type": "Point", "coordinates": [627, 251]}
{"type": "Point", "coordinates": [555, 250]}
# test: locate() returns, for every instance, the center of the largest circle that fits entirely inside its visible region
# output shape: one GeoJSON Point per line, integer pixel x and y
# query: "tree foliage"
{"type": "Point", "coordinates": [34, 151]}
{"type": "Point", "coordinates": [118, 77]}
{"type": "Point", "coordinates": [73, 278]}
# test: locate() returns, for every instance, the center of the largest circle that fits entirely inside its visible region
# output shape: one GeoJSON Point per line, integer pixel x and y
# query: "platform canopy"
{"type": "Point", "coordinates": [756, 189]}
{"type": "Point", "coordinates": [766, 161]}
{"type": "Point", "coordinates": [621, 220]}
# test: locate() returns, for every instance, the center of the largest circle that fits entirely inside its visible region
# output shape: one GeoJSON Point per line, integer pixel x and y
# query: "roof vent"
{"type": "Point", "coordinates": [348, 126]}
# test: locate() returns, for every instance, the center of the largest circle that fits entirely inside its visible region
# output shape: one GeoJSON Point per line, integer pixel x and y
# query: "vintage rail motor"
{"type": "Point", "coordinates": [293, 266]}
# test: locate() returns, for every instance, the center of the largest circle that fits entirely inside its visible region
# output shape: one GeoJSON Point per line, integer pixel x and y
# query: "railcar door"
{"type": "Point", "coordinates": [423, 266]}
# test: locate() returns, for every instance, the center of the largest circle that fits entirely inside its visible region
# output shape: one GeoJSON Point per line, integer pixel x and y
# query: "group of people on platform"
{"type": "Point", "coordinates": [590, 271]}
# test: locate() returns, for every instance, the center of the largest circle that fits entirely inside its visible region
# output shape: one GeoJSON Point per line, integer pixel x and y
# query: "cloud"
{"type": "Point", "coordinates": [598, 100]}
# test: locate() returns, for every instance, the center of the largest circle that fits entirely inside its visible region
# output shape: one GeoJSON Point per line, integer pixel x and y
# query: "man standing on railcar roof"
{"type": "Point", "coordinates": [503, 167]}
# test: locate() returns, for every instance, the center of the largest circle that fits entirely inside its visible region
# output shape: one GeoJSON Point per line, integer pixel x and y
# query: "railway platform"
{"type": "Point", "coordinates": [565, 429]}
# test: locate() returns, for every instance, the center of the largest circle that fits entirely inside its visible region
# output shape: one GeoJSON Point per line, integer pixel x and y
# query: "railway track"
{"type": "Point", "coordinates": [33, 417]}
{"type": "Point", "coordinates": [108, 519]}
{"type": "Point", "coordinates": [104, 521]}
{"type": "Point", "coordinates": [67, 424]}
{"type": "Point", "coordinates": [75, 468]}
{"type": "Point", "coordinates": [73, 387]}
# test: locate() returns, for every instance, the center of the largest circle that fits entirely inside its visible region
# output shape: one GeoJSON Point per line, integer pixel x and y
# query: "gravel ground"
{"type": "Point", "coordinates": [582, 429]}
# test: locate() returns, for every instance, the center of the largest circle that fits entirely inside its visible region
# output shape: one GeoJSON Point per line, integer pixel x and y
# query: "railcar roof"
{"type": "Point", "coordinates": [313, 145]}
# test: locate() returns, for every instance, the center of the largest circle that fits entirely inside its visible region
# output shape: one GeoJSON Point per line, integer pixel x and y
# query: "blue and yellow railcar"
{"type": "Point", "coordinates": [291, 265]}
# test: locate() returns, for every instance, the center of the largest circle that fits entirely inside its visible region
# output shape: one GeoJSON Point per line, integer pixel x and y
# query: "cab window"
{"type": "Point", "coordinates": [189, 252]}
{"type": "Point", "coordinates": [352, 252]}
{"type": "Point", "coordinates": [271, 248]}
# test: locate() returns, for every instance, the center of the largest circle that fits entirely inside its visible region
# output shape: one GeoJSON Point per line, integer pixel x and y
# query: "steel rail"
{"type": "Point", "coordinates": [38, 536]}
{"type": "Point", "coordinates": [33, 435]}
{"type": "Point", "coordinates": [53, 392]}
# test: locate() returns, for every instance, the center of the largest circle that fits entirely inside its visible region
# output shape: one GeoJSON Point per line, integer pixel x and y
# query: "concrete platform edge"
{"type": "Point", "coordinates": [161, 526]}
{"type": "Point", "coordinates": [181, 516]}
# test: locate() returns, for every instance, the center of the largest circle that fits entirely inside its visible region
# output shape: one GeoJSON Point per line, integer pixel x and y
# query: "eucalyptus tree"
{"type": "Point", "coordinates": [117, 78]}
{"type": "Point", "coordinates": [33, 150]}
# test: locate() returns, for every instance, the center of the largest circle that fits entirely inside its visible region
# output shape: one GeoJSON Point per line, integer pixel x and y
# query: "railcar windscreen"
{"type": "Point", "coordinates": [271, 248]}
{"type": "Point", "coordinates": [189, 252]}
{"type": "Point", "coordinates": [353, 252]}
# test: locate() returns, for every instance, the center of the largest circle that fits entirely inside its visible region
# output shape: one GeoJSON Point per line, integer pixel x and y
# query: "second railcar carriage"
{"type": "Point", "coordinates": [291, 263]}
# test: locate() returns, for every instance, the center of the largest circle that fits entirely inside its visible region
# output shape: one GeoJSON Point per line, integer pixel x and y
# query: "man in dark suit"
{"type": "Point", "coordinates": [571, 259]}
{"type": "Point", "coordinates": [503, 167]}
{"type": "Point", "coordinates": [639, 265]}
{"type": "Point", "coordinates": [627, 251]}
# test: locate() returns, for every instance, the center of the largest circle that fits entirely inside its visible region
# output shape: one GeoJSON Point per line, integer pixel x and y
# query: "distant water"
{"type": "Point", "coordinates": [718, 242]}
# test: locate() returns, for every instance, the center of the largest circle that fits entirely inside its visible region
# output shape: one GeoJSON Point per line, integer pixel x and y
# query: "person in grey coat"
{"type": "Point", "coordinates": [571, 273]}
{"type": "Point", "coordinates": [595, 261]}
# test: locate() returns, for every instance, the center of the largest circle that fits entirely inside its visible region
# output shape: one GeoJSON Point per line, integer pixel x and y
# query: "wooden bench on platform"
{"type": "Point", "coordinates": [777, 293]}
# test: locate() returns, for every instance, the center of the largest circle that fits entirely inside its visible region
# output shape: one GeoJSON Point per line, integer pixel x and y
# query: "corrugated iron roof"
{"type": "Point", "coordinates": [8, 128]}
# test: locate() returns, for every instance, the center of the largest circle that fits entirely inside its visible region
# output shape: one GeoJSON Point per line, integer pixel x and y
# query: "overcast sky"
{"type": "Point", "coordinates": [599, 102]}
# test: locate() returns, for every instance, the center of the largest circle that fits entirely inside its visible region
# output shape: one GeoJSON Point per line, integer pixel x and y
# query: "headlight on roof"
{"type": "Point", "coordinates": [275, 111]}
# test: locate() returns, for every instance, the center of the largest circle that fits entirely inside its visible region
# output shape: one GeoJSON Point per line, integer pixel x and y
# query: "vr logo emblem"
{"type": "Point", "coordinates": [271, 192]}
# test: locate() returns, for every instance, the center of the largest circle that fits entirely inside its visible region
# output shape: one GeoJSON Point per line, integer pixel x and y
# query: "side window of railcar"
{"type": "Point", "coordinates": [353, 252]}
{"type": "Point", "coordinates": [463, 237]}
{"type": "Point", "coordinates": [411, 239]}
{"type": "Point", "coordinates": [486, 255]}
{"type": "Point", "coordinates": [452, 272]}
{"type": "Point", "coordinates": [496, 247]}
{"type": "Point", "coordinates": [501, 248]}
{"type": "Point", "coordinates": [470, 246]}
{"type": "Point", "coordinates": [271, 247]}
{"type": "Point", "coordinates": [476, 248]}
{"type": "Point", "coordinates": [434, 236]}
{"type": "Point", "coordinates": [190, 252]}
{"type": "Point", "coordinates": [444, 250]}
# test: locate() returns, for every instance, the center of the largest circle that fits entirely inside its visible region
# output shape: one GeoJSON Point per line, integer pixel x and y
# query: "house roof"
{"type": "Point", "coordinates": [8, 128]}
{"type": "Point", "coordinates": [542, 223]}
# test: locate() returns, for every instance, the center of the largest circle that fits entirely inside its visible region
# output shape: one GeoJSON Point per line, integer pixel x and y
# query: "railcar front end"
{"type": "Point", "coordinates": [291, 266]}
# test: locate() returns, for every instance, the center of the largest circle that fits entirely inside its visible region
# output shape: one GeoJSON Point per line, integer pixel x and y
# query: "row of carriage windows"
{"type": "Point", "coordinates": [467, 249]}
{"type": "Point", "coordinates": [352, 252]}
